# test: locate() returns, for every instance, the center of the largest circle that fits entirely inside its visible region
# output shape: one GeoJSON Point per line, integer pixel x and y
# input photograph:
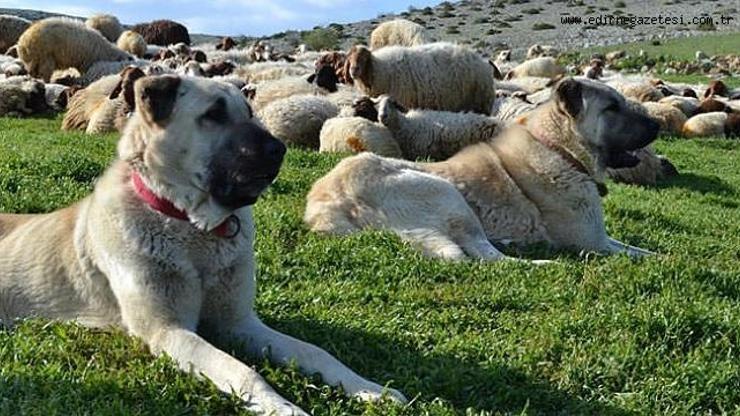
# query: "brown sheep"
{"type": "Point", "coordinates": [710, 105]}
{"type": "Point", "coordinates": [163, 32]}
{"type": "Point", "coordinates": [716, 87]}
{"type": "Point", "coordinates": [226, 44]}
{"type": "Point", "coordinates": [337, 61]}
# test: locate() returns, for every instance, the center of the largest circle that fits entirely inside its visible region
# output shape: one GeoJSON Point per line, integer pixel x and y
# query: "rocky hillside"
{"type": "Point", "coordinates": [491, 25]}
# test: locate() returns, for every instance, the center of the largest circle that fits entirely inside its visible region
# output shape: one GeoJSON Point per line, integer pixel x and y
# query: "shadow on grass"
{"type": "Point", "coordinates": [463, 382]}
{"type": "Point", "coordinates": [699, 183]}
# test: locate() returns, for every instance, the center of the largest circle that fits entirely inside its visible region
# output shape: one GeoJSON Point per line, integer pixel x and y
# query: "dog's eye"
{"type": "Point", "coordinates": [217, 112]}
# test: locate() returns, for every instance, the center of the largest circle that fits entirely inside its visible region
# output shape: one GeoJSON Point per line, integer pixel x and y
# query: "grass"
{"type": "Point", "coordinates": [594, 335]}
{"type": "Point", "coordinates": [680, 48]}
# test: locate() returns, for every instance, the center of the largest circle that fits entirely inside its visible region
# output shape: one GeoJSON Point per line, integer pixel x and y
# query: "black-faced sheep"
{"type": "Point", "coordinates": [399, 32]}
{"type": "Point", "coordinates": [107, 25]}
{"type": "Point", "coordinates": [434, 134]}
{"type": "Point", "coordinates": [163, 32]}
{"type": "Point", "coordinates": [226, 44]}
{"type": "Point", "coordinates": [436, 76]}
{"type": "Point", "coordinates": [58, 43]}
{"type": "Point", "coordinates": [716, 87]}
{"type": "Point", "coordinates": [11, 28]}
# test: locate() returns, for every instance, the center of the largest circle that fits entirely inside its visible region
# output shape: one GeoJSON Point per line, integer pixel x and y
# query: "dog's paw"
{"type": "Point", "coordinates": [386, 393]}
{"type": "Point", "coordinates": [283, 408]}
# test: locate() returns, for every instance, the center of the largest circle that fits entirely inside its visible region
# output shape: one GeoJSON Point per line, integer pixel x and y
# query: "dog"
{"type": "Point", "coordinates": [539, 180]}
{"type": "Point", "coordinates": [164, 245]}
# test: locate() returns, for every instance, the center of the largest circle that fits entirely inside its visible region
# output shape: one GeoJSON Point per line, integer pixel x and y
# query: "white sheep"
{"type": "Point", "coordinates": [22, 95]}
{"type": "Point", "coordinates": [399, 32]}
{"type": "Point", "coordinates": [106, 24]}
{"type": "Point", "coordinates": [357, 134]}
{"type": "Point", "coordinates": [59, 43]}
{"type": "Point", "coordinates": [435, 76]}
{"type": "Point", "coordinates": [705, 125]}
{"type": "Point", "coordinates": [133, 43]}
{"type": "Point", "coordinates": [266, 92]}
{"type": "Point", "coordinates": [687, 105]}
{"type": "Point", "coordinates": [87, 101]}
{"type": "Point", "coordinates": [11, 28]}
{"type": "Point", "coordinates": [670, 118]}
{"type": "Point", "coordinates": [434, 134]}
{"type": "Point", "coordinates": [537, 51]}
{"type": "Point", "coordinates": [544, 67]}
{"type": "Point", "coordinates": [508, 109]}
{"type": "Point", "coordinates": [298, 119]}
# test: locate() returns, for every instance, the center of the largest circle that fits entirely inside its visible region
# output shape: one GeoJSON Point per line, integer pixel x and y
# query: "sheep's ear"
{"type": "Point", "coordinates": [155, 97]}
{"type": "Point", "coordinates": [311, 78]}
{"type": "Point", "coordinates": [496, 72]}
{"type": "Point", "coordinates": [569, 93]}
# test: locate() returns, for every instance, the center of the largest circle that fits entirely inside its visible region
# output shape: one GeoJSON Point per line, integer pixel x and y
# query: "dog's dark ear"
{"type": "Point", "coordinates": [569, 95]}
{"type": "Point", "coordinates": [156, 96]}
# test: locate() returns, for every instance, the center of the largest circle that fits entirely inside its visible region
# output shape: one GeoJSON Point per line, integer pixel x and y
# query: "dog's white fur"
{"type": "Point", "coordinates": [111, 260]}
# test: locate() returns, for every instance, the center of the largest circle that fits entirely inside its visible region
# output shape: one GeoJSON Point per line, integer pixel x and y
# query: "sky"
{"type": "Point", "coordinates": [228, 17]}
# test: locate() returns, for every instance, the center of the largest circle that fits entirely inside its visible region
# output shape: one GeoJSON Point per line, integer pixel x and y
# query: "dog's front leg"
{"type": "Point", "coordinates": [283, 349]}
{"type": "Point", "coordinates": [193, 353]}
{"type": "Point", "coordinates": [163, 309]}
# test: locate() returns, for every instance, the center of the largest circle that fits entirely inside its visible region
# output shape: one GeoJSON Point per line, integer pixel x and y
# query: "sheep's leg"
{"type": "Point", "coordinates": [615, 246]}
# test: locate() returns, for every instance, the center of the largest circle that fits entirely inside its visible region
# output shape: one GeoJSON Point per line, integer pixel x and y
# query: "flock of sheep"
{"type": "Point", "coordinates": [404, 96]}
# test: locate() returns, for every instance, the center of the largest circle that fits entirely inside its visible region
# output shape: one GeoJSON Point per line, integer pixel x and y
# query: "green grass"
{"type": "Point", "coordinates": [595, 335]}
{"type": "Point", "coordinates": [680, 48]}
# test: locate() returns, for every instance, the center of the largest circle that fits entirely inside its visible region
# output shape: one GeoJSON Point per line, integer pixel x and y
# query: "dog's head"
{"type": "Point", "coordinates": [611, 126]}
{"type": "Point", "coordinates": [196, 142]}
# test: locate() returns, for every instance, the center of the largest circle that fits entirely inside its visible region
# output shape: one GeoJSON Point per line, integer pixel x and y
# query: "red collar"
{"type": "Point", "coordinates": [167, 208]}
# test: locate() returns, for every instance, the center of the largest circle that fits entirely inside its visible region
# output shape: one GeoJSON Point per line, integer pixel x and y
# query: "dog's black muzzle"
{"type": "Point", "coordinates": [643, 131]}
{"type": "Point", "coordinates": [247, 162]}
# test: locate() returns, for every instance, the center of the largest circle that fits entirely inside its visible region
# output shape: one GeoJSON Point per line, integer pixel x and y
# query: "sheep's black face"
{"type": "Point", "coordinates": [325, 77]}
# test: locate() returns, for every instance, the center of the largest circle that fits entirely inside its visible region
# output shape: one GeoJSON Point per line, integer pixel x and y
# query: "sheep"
{"type": "Point", "coordinates": [11, 28]}
{"type": "Point", "coordinates": [266, 92]}
{"type": "Point", "coordinates": [538, 51]}
{"type": "Point", "coordinates": [640, 91]}
{"type": "Point", "coordinates": [357, 134]}
{"type": "Point", "coordinates": [163, 32]}
{"type": "Point", "coordinates": [707, 124]}
{"type": "Point", "coordinates": [710, 105]}
{"type": "Point", "coordinates": [337, 61]}
{"type": "Point", "coordinates": [595, 70]}
{"type": "Point", "coordinates": [545, 67]}
{"type": "Point", "coordinates": [298, 119]}
{"type": "Point", "coordinates": [503, 56]}
{"type": "Point", "coordinates": [716, 87]}
{"type": "Point", "coordinates": [528, 85]}
{"type": "Point", "coordinates": [58, 43]}
{"type": "Point", "coordinates": [113, 111]}
{"type": "Point", "coordinates": [133, 43]}
{"type": "Point", "coordinates": [86, 101]}
{"type": "Point", "coordinates": [670, 118]}
{"type": "Point", "coordinates": [435, 76]}
{"type": "Point", "coordinates": [400, 32]}
{"type": "Point", "coordinates": [107, 25]}
{"type": "Point", "coordinates": [22, 95]}
{"type": "Point", "coordinates": [226, 44]}
{"type": "Point", "coordinates": [103, 68]}
{"type": "Point", "coordinates": [651, 168]}
{"type": "Point", "coordinates": [434, 134]}
{"type": "Point", "coordinates": [58, 95]}
{"type": "Point", "coordinates": [508, 109]}
{"type": "Point", "coordinates": [687, 105]}
{"type": "Point", "coordinates": [11, 66]}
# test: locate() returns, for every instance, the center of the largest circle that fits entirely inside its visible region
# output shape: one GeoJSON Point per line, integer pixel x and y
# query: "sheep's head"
{"type": "Point", "coordinates": [716, 87]}
{"type": "Point", "coordinates": [199, 56]}
{"type": "Point", "coordinates": [365, 107]}
{"type": "Point", "coordinates": [688, 92]}
{"type": "Point", "coordinates": [226, 44]}
{"type": "Point", "coordinates": [710, 105]}
{"type": "Point", "coordinates": [360, 64]}
{"type": "Point", "coordinates": [325, 78]}
{"type": "Point", "coordinates": [389, 111]}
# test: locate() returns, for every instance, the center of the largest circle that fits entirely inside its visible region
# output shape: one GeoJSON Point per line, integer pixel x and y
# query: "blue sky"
{"type": "Point", "coordinates": [228, 17]}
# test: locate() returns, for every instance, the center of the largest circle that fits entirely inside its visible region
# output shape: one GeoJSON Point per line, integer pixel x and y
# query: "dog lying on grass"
{"type": "Point", "coordinates": [540, 180]}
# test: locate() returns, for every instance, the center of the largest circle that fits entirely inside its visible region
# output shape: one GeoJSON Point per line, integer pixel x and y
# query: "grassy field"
{"type": "Point", "coordinates": [681, 48]}
{"type": "Point", "coordinates": [592, 335]}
